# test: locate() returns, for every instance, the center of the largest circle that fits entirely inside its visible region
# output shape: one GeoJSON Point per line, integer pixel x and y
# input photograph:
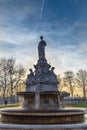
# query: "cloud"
{"type": "Point", "coordinates": [19, 37]}
{"type": "Point", "coordinates": [68, 54]}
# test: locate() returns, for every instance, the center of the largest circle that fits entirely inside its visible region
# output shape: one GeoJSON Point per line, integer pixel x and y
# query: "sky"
{"type": "Point", "coordinates": [63, 23]}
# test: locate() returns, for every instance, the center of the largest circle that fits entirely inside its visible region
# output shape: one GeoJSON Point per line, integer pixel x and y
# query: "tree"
{"type": "Point", "coordinates": [69, 81]}
{"type": "Point", "coordinates": [11, 72]}
{"type": "Point", "coordinates": [61, 83]}
{"type": "Point", "coordinates": [3, 76]}
{"type": "Point", "coordinates": [19, 78]}
{"type": "Point", "coordinates": [16, 73]}
{"type": "Point", "coordinates": [11, 76]}
{"type": "Point", "coordinates": [82, 81]}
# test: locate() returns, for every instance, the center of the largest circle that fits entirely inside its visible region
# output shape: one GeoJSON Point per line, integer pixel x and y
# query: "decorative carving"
{"type": "Point", "coordinates": [25, 104]}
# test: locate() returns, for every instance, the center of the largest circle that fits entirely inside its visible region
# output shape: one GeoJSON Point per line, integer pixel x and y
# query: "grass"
{"type": "Point", "coordinates": [9, 106]}
{"type": "Point", "coordinates": [79, 105]}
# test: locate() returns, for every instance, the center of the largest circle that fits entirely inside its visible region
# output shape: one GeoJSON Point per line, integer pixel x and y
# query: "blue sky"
{"type": "Point", "coordinates": [63, 23]}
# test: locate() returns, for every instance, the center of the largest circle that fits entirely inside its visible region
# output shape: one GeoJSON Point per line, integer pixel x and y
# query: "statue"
{"type": "Point", "coordinates": [41, 48]}
{"type": "Point", "coordinates": [53, 76]}
{"type": "Point", "coordinates": [30, 77]}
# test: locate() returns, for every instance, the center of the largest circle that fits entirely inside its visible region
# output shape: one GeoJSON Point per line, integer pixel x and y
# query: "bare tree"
{"type": "Point", "coordinates": [19, 78]}
{"type": "Point", "coordinates": [3, 76]}
{"type": "Point", "coordinates": [69, 81]}
{"type": "Point", "coordinates": [11, 76]}
{"type": "Point", "coordinates": [82, 81]}
{"type": "Point", "coordinates": [16, 73]}
{"type": "Point", "coordinates": [11, 72]}
{"type": "Point", "coordinates": [61, 83]}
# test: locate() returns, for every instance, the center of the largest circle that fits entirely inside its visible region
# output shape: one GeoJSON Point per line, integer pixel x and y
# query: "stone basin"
{"type": "Point", "coordinates": [24, 116]}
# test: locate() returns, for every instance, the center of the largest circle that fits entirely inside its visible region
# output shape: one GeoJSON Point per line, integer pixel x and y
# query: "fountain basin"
{"type": "Point", "coordinates": [24, 116]}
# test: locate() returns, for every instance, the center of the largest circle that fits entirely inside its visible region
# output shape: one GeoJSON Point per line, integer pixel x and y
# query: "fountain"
{"type": "Point", "coordinates": [42, 99]}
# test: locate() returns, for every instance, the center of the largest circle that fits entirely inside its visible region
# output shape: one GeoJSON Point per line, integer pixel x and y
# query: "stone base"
{"type": "Point", "coordinates": [42, 116]}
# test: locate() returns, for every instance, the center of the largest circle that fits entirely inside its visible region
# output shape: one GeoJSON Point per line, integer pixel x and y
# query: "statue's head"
{"type": "Point", "coordinates": [42, 41]}
{"type": "Point", "coordinates": [30, 70]}
{"type": "Point", "coordinates": [41, 37]}
{"type": "Point", "coordinates": [52, 68]}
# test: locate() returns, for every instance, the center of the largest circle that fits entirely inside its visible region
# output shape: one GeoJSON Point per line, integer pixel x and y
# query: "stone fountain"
{"type": "Point", "coordinates": [42, 99]}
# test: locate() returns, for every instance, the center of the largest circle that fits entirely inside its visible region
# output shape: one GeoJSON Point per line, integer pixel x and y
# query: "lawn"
{"type": "Point", "coordinates": [9, 106]}
{"type": "Point", "coordinates": [80, 105]}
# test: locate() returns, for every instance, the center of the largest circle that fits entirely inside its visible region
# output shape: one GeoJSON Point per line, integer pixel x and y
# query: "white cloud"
{"type": "Point", "coordinates": [66, 48]}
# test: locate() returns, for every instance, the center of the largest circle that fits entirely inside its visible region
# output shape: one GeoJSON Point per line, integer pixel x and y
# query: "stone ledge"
{"type": "Point", "coordinates": [43, 127]}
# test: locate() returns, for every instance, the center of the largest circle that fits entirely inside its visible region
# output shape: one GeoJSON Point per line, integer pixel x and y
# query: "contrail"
{"type": "Point", "coordinates": [42, 9]}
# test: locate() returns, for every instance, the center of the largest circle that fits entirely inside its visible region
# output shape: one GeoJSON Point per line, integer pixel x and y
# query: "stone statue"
{"type": "Point", "coordinates": [30, 77]}
{"type": "Point", "coordinates": [53, 76]}
{"type": "Point", "coordinates": [41, 48]}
